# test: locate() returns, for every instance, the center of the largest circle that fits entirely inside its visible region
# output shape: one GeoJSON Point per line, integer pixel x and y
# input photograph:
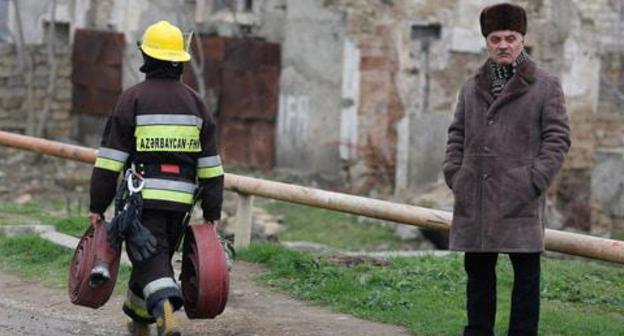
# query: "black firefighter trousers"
{"type": "Point", "coordinates": [481, 293]}
{"type": "Point", "coordinates": [166, 226]}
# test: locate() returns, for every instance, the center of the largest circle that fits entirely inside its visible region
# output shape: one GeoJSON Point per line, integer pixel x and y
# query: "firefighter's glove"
{"type": "Point", "coordinates": [116, 230]}
{"type": "Point", "coordinates": [140, 242]}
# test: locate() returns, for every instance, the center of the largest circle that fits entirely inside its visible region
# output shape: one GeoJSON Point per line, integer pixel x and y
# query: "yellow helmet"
{"type": "Point", "coordinates": [165, 42]}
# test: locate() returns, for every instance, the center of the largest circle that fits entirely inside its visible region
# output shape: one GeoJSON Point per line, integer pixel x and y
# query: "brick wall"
{"type": "Point", "coordinates": [14, 91]}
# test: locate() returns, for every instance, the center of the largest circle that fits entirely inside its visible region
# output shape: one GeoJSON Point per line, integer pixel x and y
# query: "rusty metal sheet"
{"type": "Point", "coordinates": [239, 54]}
{"type": "Point", "coordinates": [108, 78]}
{"type": "Point", "coordinates": [251, 54]}
{"type": "Point", "coordinates": [94, 102]}
{"type": "Point", "coordinates": [268, 55]}
{"type": "Point", "coordinates": [233, 142]}
{"type": "Point", "coordinates": [213, 60]}
{"type": "Point", "coordinates": [214, 48]}
{"type": "Point", "coordinates": [262, 142]}
{"type": "Point", "coordinates": [250, 94]}
{"type": "Point", "coordinates": [97, 59]}
{"type": "Point", "coordinates": [244, 73]}
{"type": "Point", "coordinates": [96, 46]}
{"type": "Point", "coordinates": [248, 142]}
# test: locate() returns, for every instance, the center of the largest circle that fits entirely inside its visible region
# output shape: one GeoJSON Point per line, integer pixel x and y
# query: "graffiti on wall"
{"type": "Point", "coordinates": [293, 119]}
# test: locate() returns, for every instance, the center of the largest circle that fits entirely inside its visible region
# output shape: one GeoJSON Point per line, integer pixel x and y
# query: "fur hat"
{"type": "Point", "coordinates": [503, 16]}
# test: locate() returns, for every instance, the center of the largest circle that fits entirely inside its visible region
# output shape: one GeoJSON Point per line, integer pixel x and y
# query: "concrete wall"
{"type": "Point", "coordinates": [4, 21]}
{"type": "Point", "coordinates": [452, 59]}
{"type": "Point", "coordinates": [35, 14]}
{"type": "Point", "coordinates": [131, 17]}
{"type": "Point", "coordinates": [308, 137]}
{"type": "Point", "coordinates": [17, 102]}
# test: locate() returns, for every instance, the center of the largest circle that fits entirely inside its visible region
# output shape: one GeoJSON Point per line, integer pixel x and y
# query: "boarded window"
{"type": "Point", "coordinates": [97, 71]}
{"type": "Point", "coordinates": [61, 32]}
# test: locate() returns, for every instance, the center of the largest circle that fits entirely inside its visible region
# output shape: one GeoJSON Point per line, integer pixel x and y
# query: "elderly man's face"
{"type": "Point", "coordinates": [504, 46]}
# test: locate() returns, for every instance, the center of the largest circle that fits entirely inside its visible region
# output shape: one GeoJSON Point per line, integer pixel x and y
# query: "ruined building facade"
{"type": "Point", "coordinates": [354, 94]}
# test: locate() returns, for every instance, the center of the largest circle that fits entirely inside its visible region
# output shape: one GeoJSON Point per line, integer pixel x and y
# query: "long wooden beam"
{"type": "Point", "coordinates": [558, 241]}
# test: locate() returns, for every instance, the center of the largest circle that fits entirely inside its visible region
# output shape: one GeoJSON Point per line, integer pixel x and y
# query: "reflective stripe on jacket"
{"type": "Point", "coordinates": [161, 122]}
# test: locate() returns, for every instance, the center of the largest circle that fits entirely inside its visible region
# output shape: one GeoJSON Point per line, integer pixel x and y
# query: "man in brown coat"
{"type": "Point", "coordinates": [508, 139]}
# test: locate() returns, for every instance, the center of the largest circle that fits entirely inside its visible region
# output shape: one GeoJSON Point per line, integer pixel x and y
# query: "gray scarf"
{"type": "Point", "coordinates": [501, 74]}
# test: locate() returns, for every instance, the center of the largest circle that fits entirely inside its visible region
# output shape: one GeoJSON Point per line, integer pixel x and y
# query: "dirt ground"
{"type": "Point", "coordinates": [29, 308]}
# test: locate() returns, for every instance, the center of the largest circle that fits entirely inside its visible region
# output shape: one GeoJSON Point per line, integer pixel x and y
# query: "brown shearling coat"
{"type": "Point", "coordinates": [501, 156]}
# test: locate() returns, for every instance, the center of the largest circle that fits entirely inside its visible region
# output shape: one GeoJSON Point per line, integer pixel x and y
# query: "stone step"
{"type": "Point", "coordinates": [49, 233]}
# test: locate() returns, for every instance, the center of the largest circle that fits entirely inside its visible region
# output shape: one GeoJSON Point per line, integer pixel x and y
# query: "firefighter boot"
{"type": "Point", "coordinates": [165, 323]}
{"type": "Point", "coordinates": [136, 328]}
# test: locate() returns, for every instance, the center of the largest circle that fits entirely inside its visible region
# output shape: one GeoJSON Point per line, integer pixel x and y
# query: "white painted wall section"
{"type": "Point", "coordinates": [402, 154]}
{"type": "Point", "coordinates": [583, 75]}
{"type": "Point", "coordinates": [293, 118]}
{"type": "Point", "coordinates": [466, 40]}
{"type": "Point", "coordinates": [350, 101]}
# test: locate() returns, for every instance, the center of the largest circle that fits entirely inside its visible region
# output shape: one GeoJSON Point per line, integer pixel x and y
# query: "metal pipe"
{"type": "Point", "coordinates": [558, 241]}
{"type": "Point", "coordinates": [54, 148]}
{"type": "Point", "coordinates": [357, 205]}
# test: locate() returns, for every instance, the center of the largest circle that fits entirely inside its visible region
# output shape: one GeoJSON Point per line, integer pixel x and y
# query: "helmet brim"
{"type": "Point", "coordinates": [166, 55]}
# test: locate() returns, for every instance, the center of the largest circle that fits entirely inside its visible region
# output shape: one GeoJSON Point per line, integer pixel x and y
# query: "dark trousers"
{"type": "Point", "coordinates": [166, 226]}
{"type": "Point", "coordinates": [481, 293]}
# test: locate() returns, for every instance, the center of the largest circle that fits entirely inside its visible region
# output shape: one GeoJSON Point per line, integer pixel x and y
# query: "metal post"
{"type": "Point", "coordinates": [242, 231]}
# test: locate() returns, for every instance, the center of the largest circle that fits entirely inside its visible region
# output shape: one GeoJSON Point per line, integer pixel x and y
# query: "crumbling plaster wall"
{"type": "Point", "coordinates": [352, 109]}
{"type": "Point", "coordinates": [308, 127]}
{"type": "Point", "coordinates": [36, 13]}
{"type": "Point", "coordinates": [564, 44]}
{"type": "Point", "coordinates": [14, 97]}
{"type": "Point", "coordinates": [562, 39]}
{"type": "Point", "coordinates": [312, 39]}
{"type": "Point", "coordinates": [607, 125]}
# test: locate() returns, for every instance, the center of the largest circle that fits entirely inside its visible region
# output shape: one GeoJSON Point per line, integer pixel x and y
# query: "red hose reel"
{"type": "Point", "coordinates": [204, 277]}
{"type": "Point", "coordinates": [92, 249]}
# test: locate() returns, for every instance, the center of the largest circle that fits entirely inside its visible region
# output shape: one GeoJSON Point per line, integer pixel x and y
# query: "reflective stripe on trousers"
{"type": "Point", "coordinates": [159, 284]}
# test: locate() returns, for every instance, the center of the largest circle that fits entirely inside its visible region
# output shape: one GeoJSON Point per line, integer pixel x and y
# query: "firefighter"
{"type": "Point", "coordinates": [162, 129]}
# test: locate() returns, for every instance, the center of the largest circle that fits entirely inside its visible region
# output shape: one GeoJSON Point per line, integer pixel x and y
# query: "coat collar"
{"type": "Point", "coordinates": [517, 85]}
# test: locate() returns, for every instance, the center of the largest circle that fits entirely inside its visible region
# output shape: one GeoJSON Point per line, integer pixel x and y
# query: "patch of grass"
{"type": "Point", "coordinates": [618, 235]}
{"type": "Point", "coordinates": [23, 209]}
{"type": "Point", "coordinates": [37, 258]}
{"type": "Point", "coordinates": [16, 219]}
{"type": "Point", "coordinates": [74, 226]}
{"type": "Point", "coordinates": [332, 228]}
{"type": "Point", "coordinates": [30, 213]}
{"type": "Point", "coordinates": [426, 294]}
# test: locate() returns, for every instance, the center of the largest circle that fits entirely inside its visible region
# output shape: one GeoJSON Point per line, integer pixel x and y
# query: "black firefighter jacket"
{"type": "Point", "coordinates": [164, 128]}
